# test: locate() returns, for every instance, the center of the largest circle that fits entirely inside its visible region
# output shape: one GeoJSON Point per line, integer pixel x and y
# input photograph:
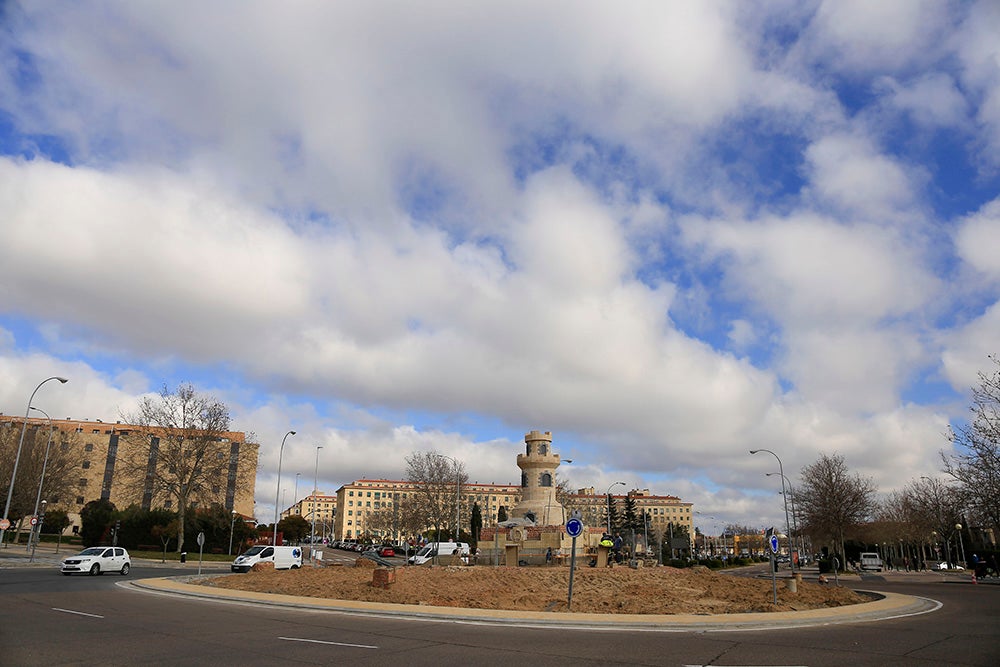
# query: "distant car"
{"type": "Point", "coordinates": [97, 560]}
{"type": "Point", "coordinates": [386, 551]}
{"type": "Point", "coordinates": [943, 565]}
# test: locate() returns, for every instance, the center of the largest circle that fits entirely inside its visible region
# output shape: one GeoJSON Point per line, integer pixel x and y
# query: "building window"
{"type": "Point", "coordinates": [82, 482]}
{"type": "Point", "coordinates": [86, 465]}
{"type": "Point", "coordinates": [79, 500]}
{"type": "Point", "coordinates": [546, 479]}
{"type": "Point", "coordinates": [542, 449]}
{"type": "Point", "coordinates": [89, 447]}
{"type": "Point", "coordinates": [167, 504]}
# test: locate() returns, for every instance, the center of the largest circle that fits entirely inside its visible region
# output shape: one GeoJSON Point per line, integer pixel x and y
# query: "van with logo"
{"type": "Point", "coordinates": [443, 551]}
{"type": "Point", "coordinates": [871, 561]}
{"type": "Point", "coordinates": [284, 558]}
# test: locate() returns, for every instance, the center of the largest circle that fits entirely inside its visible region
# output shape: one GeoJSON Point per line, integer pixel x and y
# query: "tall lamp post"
{"type": "Point", "coordinates": [41, 480]}
{"type": "Point", "coordinates": [961, 543]}
{"type": "Point", "coordinates": [277, 490]}
{"type": "Point", "coordinates": [295, 493]}
{"type": "Point", "coordinates": [795, 520]}
{"type": "Point", "coordinates": [17, 458]}
{"type": "Point", "coordinates": [232, 527]}
{"type": "Point", "coordinates": [608, 495]}
{"type": "Point", "coordinates": [784, 497]}
{"type": "Point", "coordinates": [312, 535]}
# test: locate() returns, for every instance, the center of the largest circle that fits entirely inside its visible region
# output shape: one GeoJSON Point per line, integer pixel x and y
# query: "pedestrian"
{"type": "Point", "coordinates": [548, 556]}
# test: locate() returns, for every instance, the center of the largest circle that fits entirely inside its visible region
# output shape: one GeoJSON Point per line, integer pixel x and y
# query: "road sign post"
{"type": "Point", "coordinates": [573, 528]}
{"type": "Point", "coordinates": [201, 543]}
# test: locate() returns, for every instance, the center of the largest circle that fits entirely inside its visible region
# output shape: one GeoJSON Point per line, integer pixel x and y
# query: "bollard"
{"type": "Point", "coordinates": [184, 556]}
{"type": "Point", "coordinates": [792, 585]}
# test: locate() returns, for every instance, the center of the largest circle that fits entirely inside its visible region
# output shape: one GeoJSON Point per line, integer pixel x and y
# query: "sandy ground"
{"type": "Point", "coordinates": [621, 590]}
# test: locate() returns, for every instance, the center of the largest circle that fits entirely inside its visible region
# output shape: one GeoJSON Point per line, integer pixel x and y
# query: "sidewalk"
{"type": "Point", "coordinates": [15, 555]}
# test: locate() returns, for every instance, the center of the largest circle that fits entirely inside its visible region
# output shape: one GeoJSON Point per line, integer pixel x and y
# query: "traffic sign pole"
{"type": "Point", "coordinates": [573, 528]}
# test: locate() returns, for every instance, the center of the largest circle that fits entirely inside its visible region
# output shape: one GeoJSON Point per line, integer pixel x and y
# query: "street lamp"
{"type": "Point", "coordinates": [41, 480]}
{"type": "Point", "coordinates": [795, 520]}
{"type": "Point", "coordinates": [784, 498]}
{"type": "Point", "coordinates": [232, 527]}
{"type": "Point", "coordinates": [277, 490]}
{"type": "Point", "coordinates": [961, 543]}
{"type": "Point", "coordinates": [17, 459]}
{"type": "Point", "coordinates": [608, 494]}
{"type": "Point", "coordinates": [312, 536]}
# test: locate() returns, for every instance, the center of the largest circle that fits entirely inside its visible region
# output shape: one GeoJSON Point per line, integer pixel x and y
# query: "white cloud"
{"type": "Point", "coordinates": [978, 241]}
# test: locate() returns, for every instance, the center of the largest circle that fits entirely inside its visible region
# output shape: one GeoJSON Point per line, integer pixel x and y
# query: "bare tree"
{"type": "Point", "coordinates": [436, 478]}
{"type": "Point", "coordinates": [65, 456]}
{"type": "Point", "coordinates": [936, 509]}
{"type": "Point", "coordinates": [832, 501]}
{"type": "Point", "coordinates": [176, 451]}
{"type": "Point", "coordinates": [975, 463]}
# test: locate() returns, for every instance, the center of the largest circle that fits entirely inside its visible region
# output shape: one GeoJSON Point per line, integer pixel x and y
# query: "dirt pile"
{"type": "Point", "coordinates": [661, 590]}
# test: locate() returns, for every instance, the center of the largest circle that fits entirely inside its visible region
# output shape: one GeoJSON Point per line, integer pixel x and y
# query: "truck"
{"type": "Point", "coordinates": [284, 558]}
{"type": "Point", "coordinates": [871, 561]}
{"type": "Point", "coordinates": [444, 550]}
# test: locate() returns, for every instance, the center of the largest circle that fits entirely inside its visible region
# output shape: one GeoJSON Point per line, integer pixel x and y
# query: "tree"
{"type": "Point", "coordinates": [434, 477]}
{"type": "Point", "coordinates": [294, 528]}
{"type": "Point", "coordinates": [501, 514]}
{"type": "Point", "coordinates": [831, 501]}
{"type": "Point", "coordinates": [180, 453]}
{"type": "Point", "coordinates": [614, 515]}
{"type": "Point", "coordinates": [975, 463]}
{"type": "Point", "coordinates": [56, 521]}
{"type": "Point", "coordinates": [936, 508]}
{"type": "Point", "coordinates": [65, 455]}
{"type": "Point", "coordinates": [631, 519]}
{"type": "Point", "coordinates": [165, 533]}
{"type": "Point", "coordinates": [96, 518]}
{"type": "Point", "coordinates": [476, 522]}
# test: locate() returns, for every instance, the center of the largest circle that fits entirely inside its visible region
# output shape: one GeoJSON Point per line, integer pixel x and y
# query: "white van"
{"type": "Point", "coordinates": [443, 549]}
{"type": "Point", "coordinates": [871, 561]}
{"type": "Point", "coordinates": [284, 558]}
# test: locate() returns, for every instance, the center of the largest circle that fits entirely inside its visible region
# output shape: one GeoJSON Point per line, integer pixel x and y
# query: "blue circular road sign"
{"type": "Point", "coordinates": [574, 527]}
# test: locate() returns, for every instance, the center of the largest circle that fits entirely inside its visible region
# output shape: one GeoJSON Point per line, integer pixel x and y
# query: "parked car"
{"type": "Point", "coordinates": [944, 565]}
{"type": "Point", "coordinates": [386, 551]}
{"type": "Point", "coordinates": [97, 560]}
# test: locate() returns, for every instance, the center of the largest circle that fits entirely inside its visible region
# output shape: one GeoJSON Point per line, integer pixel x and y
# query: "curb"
{"type": "Point", "coordinates": [888, 606]}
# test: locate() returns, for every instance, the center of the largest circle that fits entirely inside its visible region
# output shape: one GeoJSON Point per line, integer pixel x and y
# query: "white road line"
{"type": "Point", "coordinates": [319, 641]}
{"type": "Point", "coordinates": [78, 613]}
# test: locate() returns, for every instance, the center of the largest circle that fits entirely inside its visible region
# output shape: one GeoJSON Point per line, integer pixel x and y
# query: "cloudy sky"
{"type": "Point", "coordinates": [668, 232]}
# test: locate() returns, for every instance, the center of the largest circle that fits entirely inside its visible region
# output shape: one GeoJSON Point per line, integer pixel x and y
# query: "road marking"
{"type": "Point", "coordinates": [319, 641]}
{"type": "Point", "coordinates": [78, 613]}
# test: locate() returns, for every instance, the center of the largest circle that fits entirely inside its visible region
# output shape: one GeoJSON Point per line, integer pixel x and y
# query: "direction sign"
{"type": "Point", "coordinates": [774, 544]}
{"type": "Point", "coordinates": [574, 527]}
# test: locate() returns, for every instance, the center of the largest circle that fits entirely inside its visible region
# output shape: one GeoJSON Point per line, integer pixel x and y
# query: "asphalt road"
{"type": "Point", "coordinates": [49, 619]}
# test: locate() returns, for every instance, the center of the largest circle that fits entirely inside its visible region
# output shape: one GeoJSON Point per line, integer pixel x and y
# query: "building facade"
{"type": "Point", "coordinates": [662, 511]}
{"type": "Point", "coordinates": [103, 449]}
{"type": "Point", "coordinates": [318, 506]}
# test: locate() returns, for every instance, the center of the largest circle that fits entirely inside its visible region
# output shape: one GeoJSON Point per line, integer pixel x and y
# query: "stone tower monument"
{"type": "Point", "coordinates": [538, 465]}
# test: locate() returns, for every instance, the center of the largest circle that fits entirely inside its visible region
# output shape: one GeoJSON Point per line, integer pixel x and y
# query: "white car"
{"type": "Point", "coordinates": [97, 560]}
{"type": "Point", "coordinates": [947, 566]}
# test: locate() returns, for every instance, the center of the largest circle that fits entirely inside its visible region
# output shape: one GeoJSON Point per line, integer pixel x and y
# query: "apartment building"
{"type": "Point", "coordinates": [661, 510]}
{"type": "Point", "coordinates": [319, 506]}
{"type": "Point", "coordinates": [104, 450]}
{"type": "Point", "coordinates": [361, 498]}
